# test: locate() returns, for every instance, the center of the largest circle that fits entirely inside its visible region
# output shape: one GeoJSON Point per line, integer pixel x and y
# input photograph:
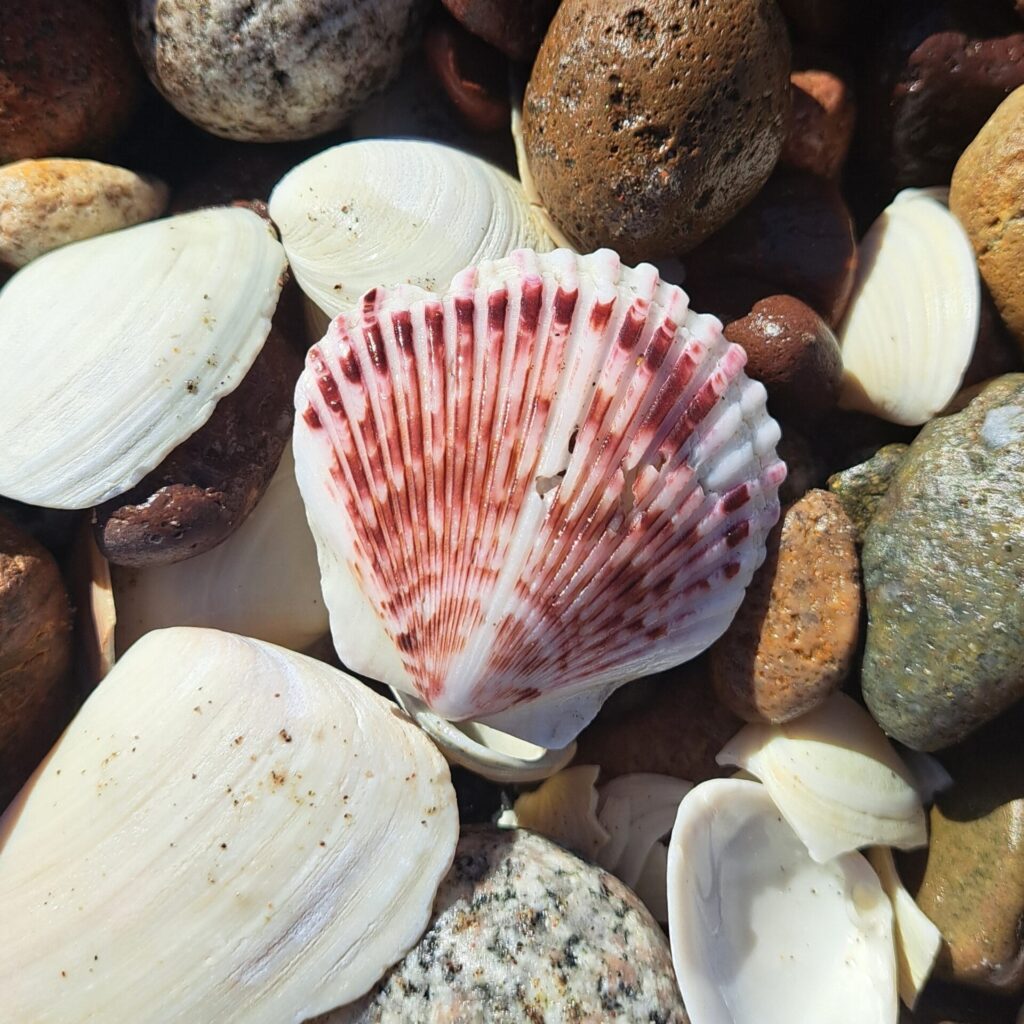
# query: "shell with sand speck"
{"type": "Point", "coordinates": [550, 480]}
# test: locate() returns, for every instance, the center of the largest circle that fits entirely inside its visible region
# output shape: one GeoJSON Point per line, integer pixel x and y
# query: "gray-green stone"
{"type": "Point", "coordinates": [861, 488]}
{"type": "Point", "coordinates": [943, 565]}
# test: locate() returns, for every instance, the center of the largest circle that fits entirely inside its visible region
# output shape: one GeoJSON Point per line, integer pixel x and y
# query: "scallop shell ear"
{"type": "Point", "coordinates": [433, 210]}
{"type": "Point", "coordinates": [550, 480]}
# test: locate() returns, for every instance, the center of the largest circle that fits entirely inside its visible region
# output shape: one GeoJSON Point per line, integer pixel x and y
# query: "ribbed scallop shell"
{"type": "Point", "coordinates": [550, 480]}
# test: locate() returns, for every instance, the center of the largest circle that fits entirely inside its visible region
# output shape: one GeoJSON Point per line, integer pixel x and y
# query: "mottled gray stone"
{"type": "Point", "coordinates": [862, 487]}
{"type": "Point", "coordinates": [943, 564]}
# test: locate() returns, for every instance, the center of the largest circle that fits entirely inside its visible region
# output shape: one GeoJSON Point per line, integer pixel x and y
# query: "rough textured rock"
{"type": "Point", "coordinates": [821, 123]}
{"type": "Point", "coordinates": [670, 724]}
{"type": "Point", "coordinates": [69, 82]}
{"type": "Point", "coordinates": [649, 123]}
{"type": "Point", "coordinates": [48, 203]}
{"type": "Point", "coordinates": [514, 28]}
{"type": "Point", "coordinates": [860, 488]}
{"type": "Point", "coordinates": [524, 931]}
{"type": "Point", "coordinates": [987, 195]}
{"type": "Point", "coordinates": [794, 353]}
{"type": "Point", "coordinates": [35, 656]}
{"type": "Point", "coordinates": [261, 71]}
{"type": "Point", "coordinates": [943, 560]}
{"type": "Point", "coordinates": [793, 639]}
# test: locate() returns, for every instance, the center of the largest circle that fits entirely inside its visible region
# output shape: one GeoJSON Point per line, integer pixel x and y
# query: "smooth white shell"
{"type": "Point", "coordinates": [226, 832]}
{"type": "Point", "coordinates": [395, 211]}
{"type": "Point", "coordinates": [263, 581]}
{"type": "Point", "coordinates": [117, 348]}
{"type": "Point", "coordinates": [835, 778]}
{"type": "Point", "coordinates": [548, 481]}
{"type": "Point", "coordinates": [763, 934]}
{"type": "Point", "coordinates": [909, 331]}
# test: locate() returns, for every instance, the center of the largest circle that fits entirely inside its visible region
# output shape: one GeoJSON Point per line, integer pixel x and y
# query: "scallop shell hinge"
{"type": "Point", "coordinates": [550, 480]}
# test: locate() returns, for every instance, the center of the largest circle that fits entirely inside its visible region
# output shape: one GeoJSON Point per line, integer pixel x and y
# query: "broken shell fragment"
{"type": "Point", "coordinates": [836, 779]}
{"type": "Point", "coordinates": [763, 934]}
{"type": "Point", "coordinates": [909, 331]}
{"type": "Point", "coordinates": [227, 831]}
{"type": "Point", "coordinates": [550, 480]}
{"type": "Point", "coordinates": [488, 752]}
{"type": "Point", "coordinates": [263, 581]}
{"type": "Point", "coordinates": [395, 211]}
{"type": "Point", "coordinates": [918, 941]}
{"type": "Point", "coordinates": [116, 349]}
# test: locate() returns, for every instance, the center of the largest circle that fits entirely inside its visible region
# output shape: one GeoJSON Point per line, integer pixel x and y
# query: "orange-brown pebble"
{"type": "Point", "coordinates": [69, 80]}
{"type": "Point", "coordinates": [793, 640]}
{"type": "Point", "coordinates": [35, 656]}
{"type": "Point", "coordinates": [670, 724]}
{"type": "Point", "coordinates": [820, 124]}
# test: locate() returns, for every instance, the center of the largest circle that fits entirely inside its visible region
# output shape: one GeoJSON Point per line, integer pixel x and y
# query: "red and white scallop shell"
{"type": "Point", "coordinates": [550, 480]}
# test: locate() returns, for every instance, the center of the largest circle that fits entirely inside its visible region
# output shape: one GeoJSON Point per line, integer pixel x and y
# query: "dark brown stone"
{"type": "Point", "coordinates": [794, 353]}
{"type": "Point", "coordinates": [821, 123]}
{"type": "Point", "coordinates": [649, 123]}
{"type": "Point", "coordinates": [515, 27]}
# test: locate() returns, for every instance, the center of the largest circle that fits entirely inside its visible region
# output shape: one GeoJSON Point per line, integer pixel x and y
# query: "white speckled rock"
{"type": "Point", "coordinates": [267, 70]}
{"type": "Point", "coordinates": [524, 932]}
{"type": "Point", "coordinates": [48, 203]}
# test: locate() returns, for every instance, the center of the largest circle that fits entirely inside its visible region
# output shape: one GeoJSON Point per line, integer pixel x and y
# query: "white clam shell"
{"type": "Point", "coordinates": [763, 934]}
{"type": "Point", "coordinates": [910, 329]}
{"type": "Point", "coordinates": [395, 211]}
{"type": "Point", "coordinates": [227, 831]}
{"type": "Point", "coordinates": [835, 778]}
{"type": "Point", "coordinates": [117, 348]}
{"type": "Point", "coordinates": [550, 480]}
{"type": "Point", "coordinates": [263, 581]}
{"type": "Point", "coordinates": [488, 752]}
{"type": "Point", "coordinates": [918, 941]}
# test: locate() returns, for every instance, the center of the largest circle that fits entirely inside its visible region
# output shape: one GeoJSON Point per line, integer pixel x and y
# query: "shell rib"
{"type": "Point", "coordinates": [117, 348]}
{"type": "Point", "coordinates": [548, 481]}
{"type": "Point", "coordinates": [396, 211]}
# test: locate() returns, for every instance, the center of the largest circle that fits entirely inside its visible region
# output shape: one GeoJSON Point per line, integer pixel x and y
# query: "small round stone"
{"type": "Point", "coordinates": [821, 123]}
{"type": "Point", "coordinates": [650, 123]}
{"type": "Point", "coordinates": [794, 353]}
{"type": "Point", "coordinates": [793, 640]}
{"type": "Point", "coordinates": [515, 28]}
{"type": "Point", "coordinates": [522, 927]}
{"type": "Point", "coordinates": [69, 82]}
{"type": "Point", "coordinates": [263, 71]}
{"type": "Point", "coordinates": [987, 196]}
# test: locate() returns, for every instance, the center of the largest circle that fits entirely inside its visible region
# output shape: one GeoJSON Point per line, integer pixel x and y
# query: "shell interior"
{"type": "Point", "coordinates": [117, 348]}
{"type": "Point", "coordinates": [227, 831]}
{"type": "Point", "coordinates": [547, 481]}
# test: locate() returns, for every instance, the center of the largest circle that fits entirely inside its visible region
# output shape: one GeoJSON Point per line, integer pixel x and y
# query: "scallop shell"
{"type": "Point", "coordinates": [395, 211]}
{"type": "Point", "coordinates": [117, 348]}
{"type": "Point", "coordinates": [910, 329]}
{"type": "Point", "coordinates": [548, 481]}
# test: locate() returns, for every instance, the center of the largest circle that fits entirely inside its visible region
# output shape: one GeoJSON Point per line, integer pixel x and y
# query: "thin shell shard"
{"type": "Point", "coordinates": [550, 480]}
{"type": "Point", "coordinates": [226, 832]}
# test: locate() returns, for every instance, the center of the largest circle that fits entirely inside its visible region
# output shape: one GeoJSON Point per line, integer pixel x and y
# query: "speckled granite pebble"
{"type": "Point", "coordinates": [524, 932]}
{"type": "Point", "coordinates": [943, 562]}
{"type": "Point", "coordinates": [860, 488]}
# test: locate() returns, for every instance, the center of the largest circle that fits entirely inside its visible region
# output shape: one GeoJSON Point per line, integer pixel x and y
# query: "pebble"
{"type": "Point", "coordinates": [943, 561]}
{"type": "Point", "coordinates": [69, 82]}
{"type": "Point", "coordinates": [650, 123]}
{"type": "Point", "coordinates": [821, 123]}
{"type": "Point", "coordinates": [987, 196]}
{"type": "Point", "coordinates": [796, 238]}
{"type": "Point", "coordinates": [819, 20]}
{"type": "Point", "coordinates": [794, 353]}
{"type": "Point", "coordinates": [669, 724]}
{"type": "Point", "coordinates": [516, 29]}
{"type": "Point", "coordinates": [793, 640]}
{"type": "Point", "coordinates": [861, 488]}
{"type": "Point", "coordinates": [48, 203]}
{"type": "Point", "coordinates": [524, 931]}
{"type": "Point", "coordinates": [35, 656]}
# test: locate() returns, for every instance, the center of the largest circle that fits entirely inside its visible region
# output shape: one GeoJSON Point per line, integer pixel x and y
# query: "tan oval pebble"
{"type": "Point", "coordinates": [48, 203]}
{"type": "Point", "coordinates": [987, 196]}
{"type": "Point", "coordinates": [794, 637]}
